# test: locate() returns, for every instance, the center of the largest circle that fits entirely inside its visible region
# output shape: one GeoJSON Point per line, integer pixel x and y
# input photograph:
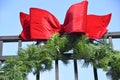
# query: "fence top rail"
{"type": "Point", "coordinates": [16, 38]}
{"type": "Point", "coordinates": [113, 34]}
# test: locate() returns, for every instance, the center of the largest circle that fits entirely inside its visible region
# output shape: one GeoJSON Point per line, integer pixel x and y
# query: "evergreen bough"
{"type": "Point", "coordinates": [36, 58]}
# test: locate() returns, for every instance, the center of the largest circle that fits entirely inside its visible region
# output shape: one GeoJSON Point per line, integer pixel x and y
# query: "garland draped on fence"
{"type": "Point", "coordinates": [37, 58]}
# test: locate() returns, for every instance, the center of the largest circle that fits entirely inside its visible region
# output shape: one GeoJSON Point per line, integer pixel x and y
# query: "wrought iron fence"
{"type": "Point", "coordinates": [9, 39]}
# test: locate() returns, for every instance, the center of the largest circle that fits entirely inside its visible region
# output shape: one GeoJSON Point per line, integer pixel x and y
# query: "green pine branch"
{"type": "Point", "coordinates": [35, 58]}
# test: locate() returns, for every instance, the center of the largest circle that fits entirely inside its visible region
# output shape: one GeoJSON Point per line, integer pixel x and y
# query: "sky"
{"type": "Point", "coordinates": [10, 25]}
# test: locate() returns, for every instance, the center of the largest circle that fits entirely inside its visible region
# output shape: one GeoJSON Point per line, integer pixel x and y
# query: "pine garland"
{"type": "Point", "coordinates": [36, 58]}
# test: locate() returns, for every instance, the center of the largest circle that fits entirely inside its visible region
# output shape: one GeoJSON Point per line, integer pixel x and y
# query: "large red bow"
{"type": "Point", "coordinates": [41, 24]}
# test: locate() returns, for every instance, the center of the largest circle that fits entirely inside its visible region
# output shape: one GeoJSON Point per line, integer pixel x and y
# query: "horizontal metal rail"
{"type": "Point", "coordinates": [113, 34]}
{"type": "Point", "coordinates": [16, 38]}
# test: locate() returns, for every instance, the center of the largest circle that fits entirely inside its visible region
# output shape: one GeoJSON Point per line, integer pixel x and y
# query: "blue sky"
{"type": "Point", "coordinates": [10, 25]}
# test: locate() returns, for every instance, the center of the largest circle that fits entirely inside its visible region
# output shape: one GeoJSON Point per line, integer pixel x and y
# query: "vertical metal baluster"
{"type": "Point", "coordinates": [56, 70]}
{"type": "Point", "coordinates": [110, 41]}
{"type": "Point", "coordinates": [75, 70]}
{"type": "Point", "coordinates": [95, 73]}
{"type": "Point", "coordinates": [19, 44]}
{"type": "Point", "coordinates": [41, 43]}
{"type": "Point", "coordinates": [38, 76]}
{"type": "Point", "coordinates": [1, 48]}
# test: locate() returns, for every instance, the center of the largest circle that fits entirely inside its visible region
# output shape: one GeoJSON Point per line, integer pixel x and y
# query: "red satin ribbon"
{"type": "Point", "coordinates": [41, 24]}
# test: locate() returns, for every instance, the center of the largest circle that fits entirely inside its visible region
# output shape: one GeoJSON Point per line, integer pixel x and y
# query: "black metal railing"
{"type": "Point", "coordinates": [9, 39]}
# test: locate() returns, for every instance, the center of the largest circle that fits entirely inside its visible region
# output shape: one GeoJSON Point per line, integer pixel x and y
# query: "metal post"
{"type": "Point", "coordinates": [75, 70]}
{"type": "Point", "coordinates": [95, 73]}
{"type": "Point", "coordinates": [1, 47]}
{"type": "Point", "coordinates": [19, 44]}
{"type": "Point", "coordinates": [56, 70]}
{"type": "Point", "coordinates": [38, 76]}
{"type": "Point", "coordinates": [110, 41]}
{"type": "Point", "coordinates": [41, 43]}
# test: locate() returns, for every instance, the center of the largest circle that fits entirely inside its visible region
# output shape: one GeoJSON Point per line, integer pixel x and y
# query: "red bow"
{"type": "Point", "coordinates": [41, 24]}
